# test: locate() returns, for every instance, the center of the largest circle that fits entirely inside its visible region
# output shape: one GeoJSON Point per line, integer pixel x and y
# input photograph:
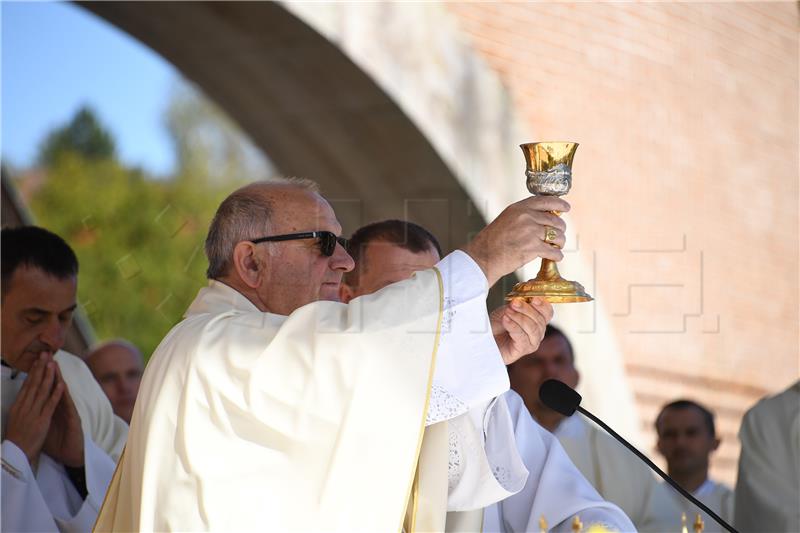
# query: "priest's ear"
{"type": "Point", "coordinates": [248, 265]}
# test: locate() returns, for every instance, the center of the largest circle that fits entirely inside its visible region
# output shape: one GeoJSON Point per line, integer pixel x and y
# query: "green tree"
{"type": "Point", "coordinates": [139, 240]}
{"type": "Point", "coordinates": [82, 135]}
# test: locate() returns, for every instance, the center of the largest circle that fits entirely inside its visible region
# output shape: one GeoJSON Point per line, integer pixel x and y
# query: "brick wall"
{"type": "Point", "coordinates": [686, 182]}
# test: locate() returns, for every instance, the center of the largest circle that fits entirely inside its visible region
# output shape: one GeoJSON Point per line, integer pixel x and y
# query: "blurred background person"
{"type": "Point", "coordinates": [118, 365]}
{"type": "Point", "coordinates": [618, 476]}
{"type": "Point", "coordinates": [686, 438]}
{"type": "Point", "coordinates": [768, 487]}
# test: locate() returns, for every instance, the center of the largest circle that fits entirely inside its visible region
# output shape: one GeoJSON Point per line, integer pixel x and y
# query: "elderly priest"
{"type": "Point", "coordinates": [273, 406]}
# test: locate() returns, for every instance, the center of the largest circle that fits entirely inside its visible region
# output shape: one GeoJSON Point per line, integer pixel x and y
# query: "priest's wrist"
{"type": "Point", "coordinates": [477, 250]}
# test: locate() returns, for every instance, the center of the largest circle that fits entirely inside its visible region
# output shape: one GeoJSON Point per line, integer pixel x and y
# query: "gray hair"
{"type": "Point", "coordinates": [243, 215]}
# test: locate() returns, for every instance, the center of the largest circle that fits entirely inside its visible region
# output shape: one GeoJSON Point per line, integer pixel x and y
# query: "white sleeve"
{"type": "Point", "coordinates": [564, 492]}
{"type": "Point", "coordinates": [485, 466]}
{"type": "Point", "coordinates": [23, 507]}
{"type": "Point", "coordinates": [48, 501]}
{"type": "Point", "coordinates": [469, 369]}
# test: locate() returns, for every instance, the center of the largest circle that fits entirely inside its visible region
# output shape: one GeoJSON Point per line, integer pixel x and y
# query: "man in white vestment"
{"type": "Point", "coordinates": [274, 406]}
{"type": "Point", "coordinates": [768, 486]}
{"type": "Point", "coordinates": [686, 438]}
{"type": "Point", "coordinates": [391, 251]}
{"type": "Point", "coordinates": [59, 435]}
{"type": "Point", "coordinates": [610, 468]}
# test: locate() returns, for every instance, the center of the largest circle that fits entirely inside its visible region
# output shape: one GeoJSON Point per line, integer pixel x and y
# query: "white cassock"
{"type": "Point", "coordinates": [619, 476]}
{"type": "Point", "coordinates": [43, 498]}
{"type": "Point", "coordinates": [768, 486]}
{"type": "Point", "coordinates": [670, 505]}
{"type": "Point", "coordinates": [565, 494]}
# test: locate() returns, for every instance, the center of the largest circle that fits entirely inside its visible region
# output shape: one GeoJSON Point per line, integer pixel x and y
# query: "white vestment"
{"type": "Point", "coordinates": [44, 499]}
{"type": "Point", "coordinates": [619, 476]}
{"type": "Point", "coordinates": [248, 420]}
{"type": "Point", "coordinates": [565, 492]}
{"type": "Point", "coordinates": [768, 486]}
{"type": "Point", "coordinates": [108, 431]}
{"type": "Point", "coordinates": [670, 505]}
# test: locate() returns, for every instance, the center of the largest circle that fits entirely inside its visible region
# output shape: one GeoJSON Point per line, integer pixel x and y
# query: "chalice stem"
{"type": "Point", "coordinates": [548, 271]}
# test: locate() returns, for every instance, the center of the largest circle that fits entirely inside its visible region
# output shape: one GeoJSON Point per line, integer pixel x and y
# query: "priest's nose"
{"type": "Point", "coordinates": [341, 260]}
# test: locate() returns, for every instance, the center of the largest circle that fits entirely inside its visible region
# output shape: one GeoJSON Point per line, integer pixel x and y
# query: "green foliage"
{"type": "Point", "coordinates": [139, 240]}
{"type": "Point", "coordinates": [82, 135]}
{"type": "Point", "coordinates": [139, 243]}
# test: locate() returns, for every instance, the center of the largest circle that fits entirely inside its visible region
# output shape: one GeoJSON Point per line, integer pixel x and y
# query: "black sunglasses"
{"type": "Point", "coordinates": [327, 240]}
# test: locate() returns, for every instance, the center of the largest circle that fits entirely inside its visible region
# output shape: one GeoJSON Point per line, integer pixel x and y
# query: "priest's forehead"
{"type": "Point", "coordinates": [295, 209]}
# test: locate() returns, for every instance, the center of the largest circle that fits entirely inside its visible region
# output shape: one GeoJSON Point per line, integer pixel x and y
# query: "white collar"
{"type": "Point", "coordinates": [219, 298]}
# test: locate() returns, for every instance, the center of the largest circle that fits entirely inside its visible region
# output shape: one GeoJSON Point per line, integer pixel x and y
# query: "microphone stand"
{"type": "Point", "coordinates": [652, 465]}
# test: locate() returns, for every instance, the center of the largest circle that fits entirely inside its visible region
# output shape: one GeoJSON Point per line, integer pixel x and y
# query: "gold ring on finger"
{"type": "Point", "coordinates": [550, 234]}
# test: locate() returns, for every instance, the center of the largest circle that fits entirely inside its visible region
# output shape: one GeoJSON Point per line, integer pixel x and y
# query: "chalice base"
{"type": "Point", "coordinates": [550, 286]}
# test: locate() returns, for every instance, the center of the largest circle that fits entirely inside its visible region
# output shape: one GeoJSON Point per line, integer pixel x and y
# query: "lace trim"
{"type": "Point", "coordinates": [449, 313]}
{"type": "Point", "coordinates": [502, 475]}
{"type": "Point", "coordinates": [454, 463]}
{"type": "Point", "coordinates": [443, 406]}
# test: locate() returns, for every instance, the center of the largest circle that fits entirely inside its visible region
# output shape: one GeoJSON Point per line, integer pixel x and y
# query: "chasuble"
{"type": "Point", "coordinates": [248, 420]}
{"type": "Point", "coordinates": [768, 486]}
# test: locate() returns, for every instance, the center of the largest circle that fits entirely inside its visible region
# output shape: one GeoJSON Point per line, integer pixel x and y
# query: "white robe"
{"type": "Point", "coordinates": [248, 420]}
{"type": "Point", "coordinates": [108, 431]}
{"type": "Point", "coordinates": [565, 492]}
{"type": "Point", "coordinates": [619, 476]}
{"type": "Point", "coordinates": [666, 513]}
{"type": "Point", "coordinates": [46, 500]}
{"type": "Point", "coordinates": [768, 486]}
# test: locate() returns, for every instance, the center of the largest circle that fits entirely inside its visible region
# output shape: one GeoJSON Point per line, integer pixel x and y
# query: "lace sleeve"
{"type": "Point", "coordinates": [443, 406]}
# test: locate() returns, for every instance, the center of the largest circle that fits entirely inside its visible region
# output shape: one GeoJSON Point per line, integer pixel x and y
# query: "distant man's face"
{"type": "Point", "coordinates": [552, 360]}
{"type": "Point", "coordinates": [684, 440]}
{"type": "Point", "coordinates": [118, 368]}
{"type": "Point", "coordinates": [37, 311]}
{"type": "Point", "coordinates": [383, 263]}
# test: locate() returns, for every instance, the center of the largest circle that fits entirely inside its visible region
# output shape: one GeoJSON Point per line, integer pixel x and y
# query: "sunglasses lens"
{"type": "Point", "coordinates": [327, 243]}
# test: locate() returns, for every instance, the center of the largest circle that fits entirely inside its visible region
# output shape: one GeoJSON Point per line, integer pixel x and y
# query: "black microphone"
{"type": "Point", "coordinates": [563, 399]}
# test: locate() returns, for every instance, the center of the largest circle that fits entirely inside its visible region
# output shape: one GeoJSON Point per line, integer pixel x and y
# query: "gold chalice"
{"type": "Point", "coordinates": [549, 173]}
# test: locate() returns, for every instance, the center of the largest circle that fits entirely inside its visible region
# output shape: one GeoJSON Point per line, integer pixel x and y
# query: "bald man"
{"type": "Point", "coordinates": [118, 365]}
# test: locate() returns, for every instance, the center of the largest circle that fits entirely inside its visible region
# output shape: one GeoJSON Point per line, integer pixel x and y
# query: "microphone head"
{"type": "Point", "coordinates": [559, 397]}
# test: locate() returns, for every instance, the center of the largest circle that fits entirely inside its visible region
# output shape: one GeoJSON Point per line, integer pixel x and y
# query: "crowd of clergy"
{"type": "Point", "coordinates": [487, 455]}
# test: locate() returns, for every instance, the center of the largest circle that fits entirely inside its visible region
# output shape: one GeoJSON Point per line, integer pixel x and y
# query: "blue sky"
{"type": "Point", "coordinates": [57, 57]}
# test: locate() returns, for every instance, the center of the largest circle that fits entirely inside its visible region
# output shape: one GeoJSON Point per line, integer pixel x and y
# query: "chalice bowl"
{"type": "Point", "coordinates": [549, 173]}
